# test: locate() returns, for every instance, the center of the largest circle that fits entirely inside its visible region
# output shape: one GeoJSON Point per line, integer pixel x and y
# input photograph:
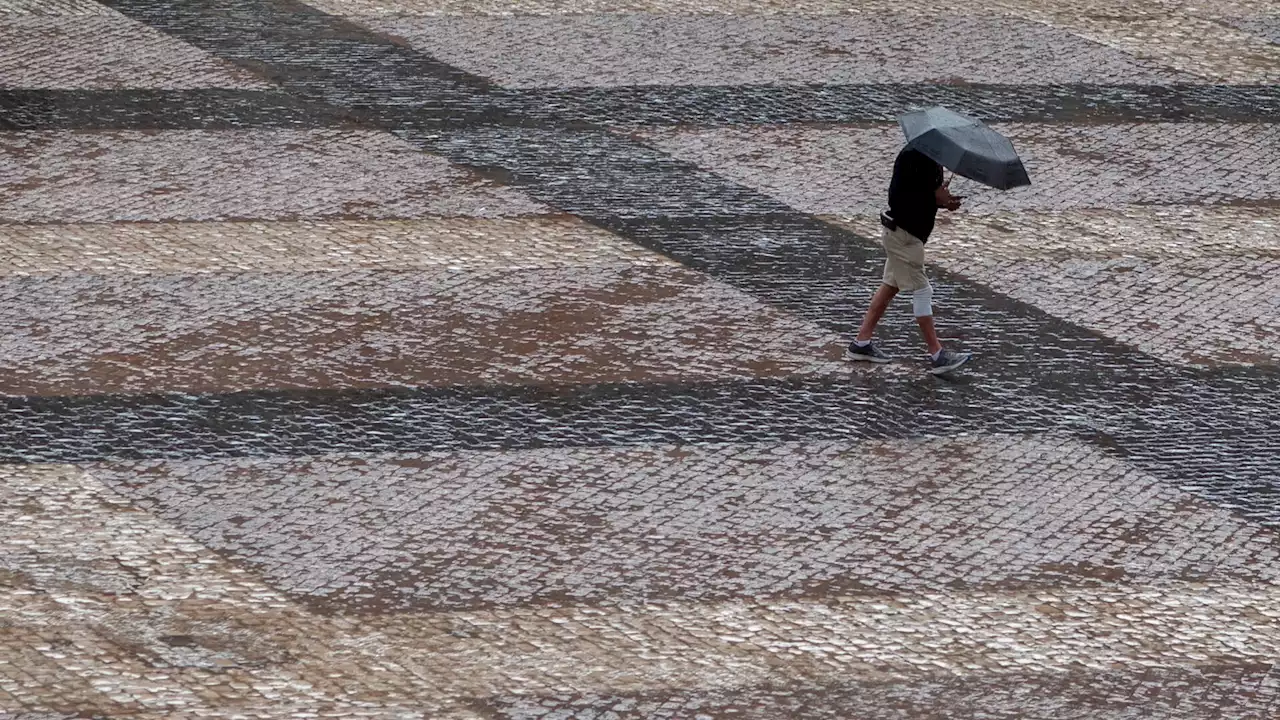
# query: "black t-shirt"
{"type": "Point", "coordinates": [911, 200]}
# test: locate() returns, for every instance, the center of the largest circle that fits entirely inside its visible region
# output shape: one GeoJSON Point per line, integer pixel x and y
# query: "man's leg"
{"type": "Point", "coordinates": [930, 334]}
{"type": "Point", "coordinates": [943, 361]}
{"type": "Point", "coordinates": [879, 303]}
{"type": "Point", "coordinates": [922, 307]}
{"type": "Point", "coordinates": [862, 348]}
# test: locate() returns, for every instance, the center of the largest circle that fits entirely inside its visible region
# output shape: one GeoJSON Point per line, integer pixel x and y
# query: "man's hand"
{"type": "Point", "coordinates": [943, 197]}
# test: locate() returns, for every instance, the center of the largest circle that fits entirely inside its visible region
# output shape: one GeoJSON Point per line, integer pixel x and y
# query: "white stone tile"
{"type": "Point", "coordinates": [199, 175]}
{"type": "Point", "coordinates": [99, 49]}
{"type": "Point", "coordinates": [621, 50]}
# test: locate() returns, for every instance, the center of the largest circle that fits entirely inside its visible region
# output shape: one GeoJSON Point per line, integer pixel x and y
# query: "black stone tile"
{"type": "Point", "coordinates": [763, 105]}
{"type": "Point", "coordinates": [597, 175]}
{"type": "Point", "coordinates": [202, 109]}
{"type": "Point", "coordinates": [628, 107]}
{"type": "Point", "coordinates": [80, 429]}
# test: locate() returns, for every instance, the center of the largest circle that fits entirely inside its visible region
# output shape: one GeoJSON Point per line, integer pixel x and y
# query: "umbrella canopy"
{"type": "Point", "coordinates": [965, 146]}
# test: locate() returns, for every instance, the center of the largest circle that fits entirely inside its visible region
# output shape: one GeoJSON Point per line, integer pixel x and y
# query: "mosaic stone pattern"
{"type": "Point", "coordinates": [53, 7]}
{"type": "Point", "coordinates": [1242, 692]}
{"type": "Point", "coordinates": [1266, 27]}
{"type": "Point", "coordinates": [713, 523]}
{"type": "Point", "coordinates": [560, 8]}
{"type": "Point", "coordinates": [466, 360]}
{"type": "Point", "coordinates": [105, 51]}
{"type": "Point", "coordinates": [420, 329]}
{"type": "Point", "coordinates": [635, 108]}
{"type": "Point", "coordinates": [1190, 37]}
{"type": "Point", "coordinates": [845, 170]}
{"type": "Point", "coordinates": [137, 176]}
{"type": "Point", "coordinates": [309, 246]}
{"type": "Point", "coordinates": [623, 50]}
{"type": "Point", "coordinates": [1194, 285]}
{"type": "Point", "coordinates": [202, 636]}
{"type": "Point", "coordinates": [191, 109]}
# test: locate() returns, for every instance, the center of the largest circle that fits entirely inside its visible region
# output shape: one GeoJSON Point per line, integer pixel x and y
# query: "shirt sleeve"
{"type": "Point", "coordinates": [924, 179]}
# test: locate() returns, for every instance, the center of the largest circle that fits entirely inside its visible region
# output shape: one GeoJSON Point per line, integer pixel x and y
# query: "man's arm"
{"type": "Point", "coordinates": [943, 197]}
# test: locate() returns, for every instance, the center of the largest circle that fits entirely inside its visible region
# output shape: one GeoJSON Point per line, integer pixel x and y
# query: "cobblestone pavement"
{"type": "Point", "coordinates": [467, 359]}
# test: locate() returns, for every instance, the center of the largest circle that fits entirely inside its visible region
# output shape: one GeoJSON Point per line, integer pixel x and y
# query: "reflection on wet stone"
{"type": "Point", "coordinates": [205, 333]}
{"type": "Point", "coordinates": [711, 523]}
{"type": "Point", "coordinates": [456, 359]}
{"type": "Point", "coordinates": [629, 50]}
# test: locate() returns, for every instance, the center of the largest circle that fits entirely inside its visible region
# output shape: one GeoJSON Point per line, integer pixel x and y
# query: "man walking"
{"type": "Point", "coordinates": [915, 194]}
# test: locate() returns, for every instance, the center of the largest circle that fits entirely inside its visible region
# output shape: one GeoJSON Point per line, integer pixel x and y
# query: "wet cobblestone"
{"type": "Point", "coordinates": [197, 635]}
{"type": "Point", "coordinates": [844, 170]}
{"type": "Point", "coordinates": [455, 245]}
{"type": "Point", "coordinates": [101, 51]}
{"type": "Point", "coordinates": [63, 176]}
{"type": "Point", "coordinates": [1265, 27]}
{"type": "Point", "coordinates": [341, 411]}
{"type": "Point", "coordinates": [1176, 37]}
{"type": "Point", "coordinates": [629, 108]}
{"type": "Point", "coordinates": [628, 50]}
{"type": "Point", "coordinates": [1193, 285]}
{"type": "Point", "coordinates": [632, 107]}
{"type": "Point", "coordinates": [1246, 692]}
{"type": "Point", "coordinates": [79, 429]}
{"type": "Point", "coordinates": [733, 521]}
{"type": "Point", "coordinates": [381, 329]}
{"type": "Point", "coordinates": [199, 109]}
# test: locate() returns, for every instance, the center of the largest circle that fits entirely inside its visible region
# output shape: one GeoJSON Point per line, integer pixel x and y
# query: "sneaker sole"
{"type": "Point", "coordinates": [863, 358]}
{"type": "Point", "coordinates": [948, 368]}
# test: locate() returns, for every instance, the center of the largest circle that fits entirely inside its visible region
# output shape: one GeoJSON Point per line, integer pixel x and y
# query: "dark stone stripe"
{"type": "Point", "coordinates": [323, 58]}
{"type": "Point", "coordinates": [763, 105]}
{"type": "Point", "coordinates": [81, 429]}
{"type": "Point", "coordinates": [1215, 436]}
{"type": "Point", "coordinates": [203, 109]}
{"type": "Point", "coordinates": [217, 109]}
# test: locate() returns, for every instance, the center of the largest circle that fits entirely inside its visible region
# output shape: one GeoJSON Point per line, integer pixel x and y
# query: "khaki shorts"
{"type": "Point", "coordinates": [904, 269]}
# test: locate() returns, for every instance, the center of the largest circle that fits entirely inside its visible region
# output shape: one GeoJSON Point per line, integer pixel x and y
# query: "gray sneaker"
{"type": "Point", "coordinates": [948, 361]}
{"type": "Point", "coordinates": [867, 353]}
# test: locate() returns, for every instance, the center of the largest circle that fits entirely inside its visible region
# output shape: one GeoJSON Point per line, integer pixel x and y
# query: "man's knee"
{"type": "Point", "coordinates": [922, 301]}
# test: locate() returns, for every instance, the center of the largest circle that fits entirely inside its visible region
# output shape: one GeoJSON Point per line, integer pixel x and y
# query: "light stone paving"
{"type": "Point", "coordinates": [845, 170]}
{"type": "Point", "coordinates": [53, 7]}
{"type": "Point", "coordinates": [560, 8]}
{"type": "Point", "coordinates": [1199, 38]}
{"type": "Point", "coordinates": [1189, 37]}
{"type": "Point", "coordinates": [72, 334]}
{"type": "Point", "coordinates": [1190, 285]}
{"type": "Point", "coordinates": [621, 50]}
{"type": "Point", "coordinates": [104, 50]}
{"type": "Point", "coordinates": [107, 610]}
{"type": "Point", "coordinates": [1240, 692]}
{"type": "Point", "coordinates": [455, 244]}
{"type": "Point", "coordinates": [116, 612]}
{"type": "Point", "coordinates": [63, 176]}
{"type": "Point", "coordinates": [699, 523]}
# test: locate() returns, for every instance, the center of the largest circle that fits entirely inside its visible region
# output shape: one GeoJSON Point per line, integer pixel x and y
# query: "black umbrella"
{"type": "Point", "coordinates": [965, 146]}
